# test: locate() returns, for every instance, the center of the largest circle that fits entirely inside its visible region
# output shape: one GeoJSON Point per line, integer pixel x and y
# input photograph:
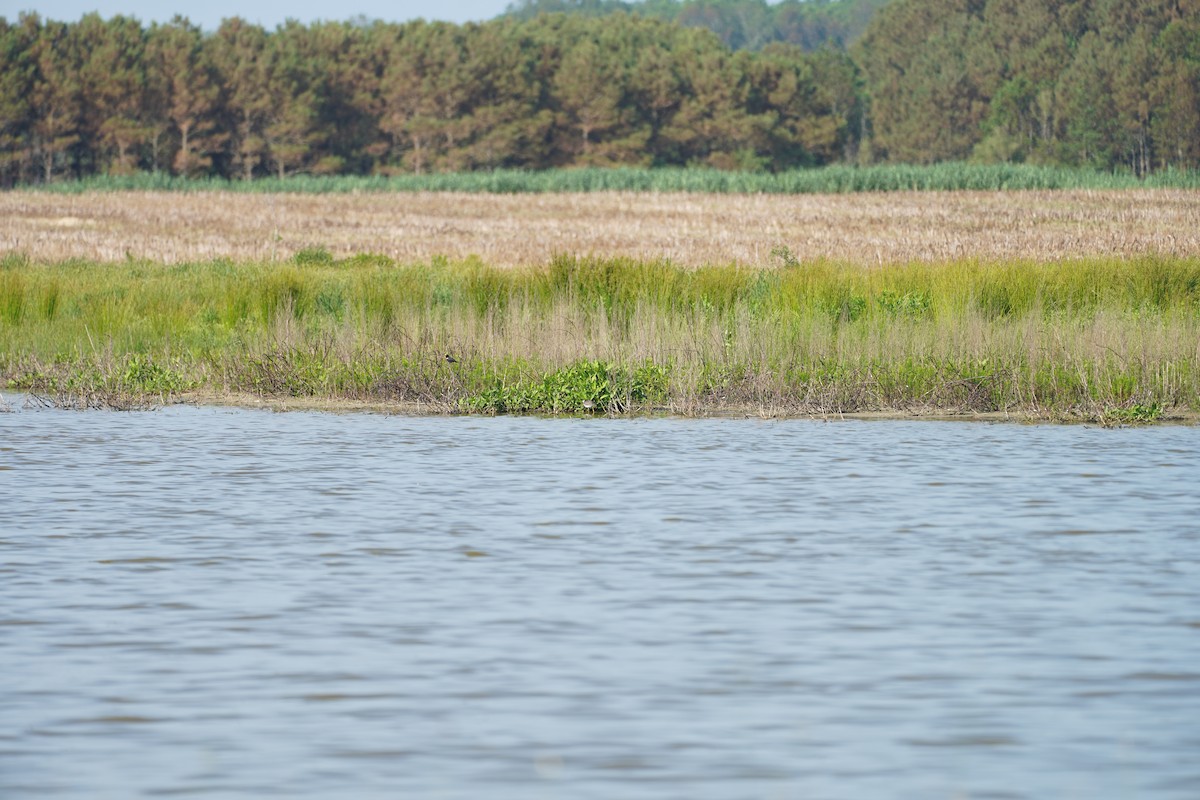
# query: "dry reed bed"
{"type": "Point", "coordinates": [689, 229]}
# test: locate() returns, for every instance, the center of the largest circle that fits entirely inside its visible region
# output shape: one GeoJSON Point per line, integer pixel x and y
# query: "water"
{"type": "Point", "coordinates": [232, 603]}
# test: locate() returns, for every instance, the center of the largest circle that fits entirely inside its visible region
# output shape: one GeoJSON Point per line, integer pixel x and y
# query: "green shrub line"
{"type": "Point", "coordinates": [834, 179]}
{"type": "Point", "coordinates": [1115, 340]}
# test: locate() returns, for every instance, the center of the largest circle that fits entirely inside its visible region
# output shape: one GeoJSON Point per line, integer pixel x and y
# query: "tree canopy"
{"type": "Point", "coordinates": [1102, 83]}
{"type": "Point", "coordinates": [740, 24]}
{"type": "Point", "coordinates": [1080, 82]}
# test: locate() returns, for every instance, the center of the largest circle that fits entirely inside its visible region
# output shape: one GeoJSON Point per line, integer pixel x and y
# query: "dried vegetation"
{"type": "Point", "coordinates": [690, 230]}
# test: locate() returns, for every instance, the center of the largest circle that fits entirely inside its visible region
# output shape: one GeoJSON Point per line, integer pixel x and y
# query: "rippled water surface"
{"type": "Point", "coordinates": [236, 603]}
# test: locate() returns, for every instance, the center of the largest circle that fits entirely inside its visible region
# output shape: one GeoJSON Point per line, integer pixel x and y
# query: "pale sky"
{"type": "Point", "coordinates": [209, 13]}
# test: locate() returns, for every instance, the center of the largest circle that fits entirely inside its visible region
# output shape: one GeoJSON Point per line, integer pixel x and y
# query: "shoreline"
{"type": "Point", "coordinates": [727, 411]}
{"type": "Point", "coordinates": [716, 412]}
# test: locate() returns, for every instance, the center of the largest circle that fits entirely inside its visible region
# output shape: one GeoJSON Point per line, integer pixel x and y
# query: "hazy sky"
{"type": "Point", "coordinates": [209, 13]}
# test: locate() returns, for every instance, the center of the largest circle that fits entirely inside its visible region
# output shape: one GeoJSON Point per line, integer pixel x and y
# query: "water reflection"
{"type": "Point", "coordinates": [236, 603]}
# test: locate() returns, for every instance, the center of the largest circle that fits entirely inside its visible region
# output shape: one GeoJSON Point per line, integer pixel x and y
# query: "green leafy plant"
{"type": "Point", "coordinates": [142, 374]}
{"type": "Point", "coordinates": [785, 256]}
{"type": "Point", "coordinates": [1136, 414]}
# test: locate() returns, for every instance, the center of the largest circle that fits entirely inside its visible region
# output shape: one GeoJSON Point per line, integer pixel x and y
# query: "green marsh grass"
{"type": "Point", "coordinates": [1114, 340]}
{"type": "Point", "coordinates": [824, 180]}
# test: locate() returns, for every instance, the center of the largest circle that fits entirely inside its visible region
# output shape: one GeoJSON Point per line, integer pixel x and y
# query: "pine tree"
{"type": "Point", "coordinates": [55, 98]}
{"type": "Point", "coordinates": [239, 53]}
{"type": "Point", "coordinates": [190, 94]}
{"type": "Point", "coordinates": [17, 75]}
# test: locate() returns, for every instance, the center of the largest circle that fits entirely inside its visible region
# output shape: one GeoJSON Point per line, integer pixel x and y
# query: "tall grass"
{"type": "Point", "coordinates": [1090, 337]}
{"type": "Point", "coordinates": [825, 180]}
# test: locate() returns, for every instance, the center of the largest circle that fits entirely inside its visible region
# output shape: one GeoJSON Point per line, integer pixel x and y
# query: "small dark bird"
{"type": "Point", "coordinates": [589, 404]}
{"type": "Point", "coordinates": [451, 359]}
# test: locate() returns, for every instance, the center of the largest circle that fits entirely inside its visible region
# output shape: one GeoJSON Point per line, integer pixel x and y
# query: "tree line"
{"type": "Point", "coordinates": [740, 24]}
{"type": "Point", "coordinates": [1102, 83]}
{"type": "Point", "coordinates": [112, 96]}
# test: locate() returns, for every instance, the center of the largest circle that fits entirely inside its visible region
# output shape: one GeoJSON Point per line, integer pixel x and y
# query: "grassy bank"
{"type": "Point", "coordinates": [1104, 339]}
{"type": "Point", "coordinates": [824, 180]}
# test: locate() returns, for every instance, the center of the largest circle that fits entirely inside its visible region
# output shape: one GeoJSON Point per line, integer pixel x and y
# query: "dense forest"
{"type": "Point", "coordinates": [1101, 83]}
{"type": "Point", "coordinates": [740, 24]}
{"type": "Point", "coordinates": [1092, 82]}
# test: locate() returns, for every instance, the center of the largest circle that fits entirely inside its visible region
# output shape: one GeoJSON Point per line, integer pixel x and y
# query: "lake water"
{"type": "Point", "coordinates": [233, 603]}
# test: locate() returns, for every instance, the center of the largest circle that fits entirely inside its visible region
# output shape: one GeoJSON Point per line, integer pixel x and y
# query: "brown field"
{"type": "Point", "coordinates": [689, 229]}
